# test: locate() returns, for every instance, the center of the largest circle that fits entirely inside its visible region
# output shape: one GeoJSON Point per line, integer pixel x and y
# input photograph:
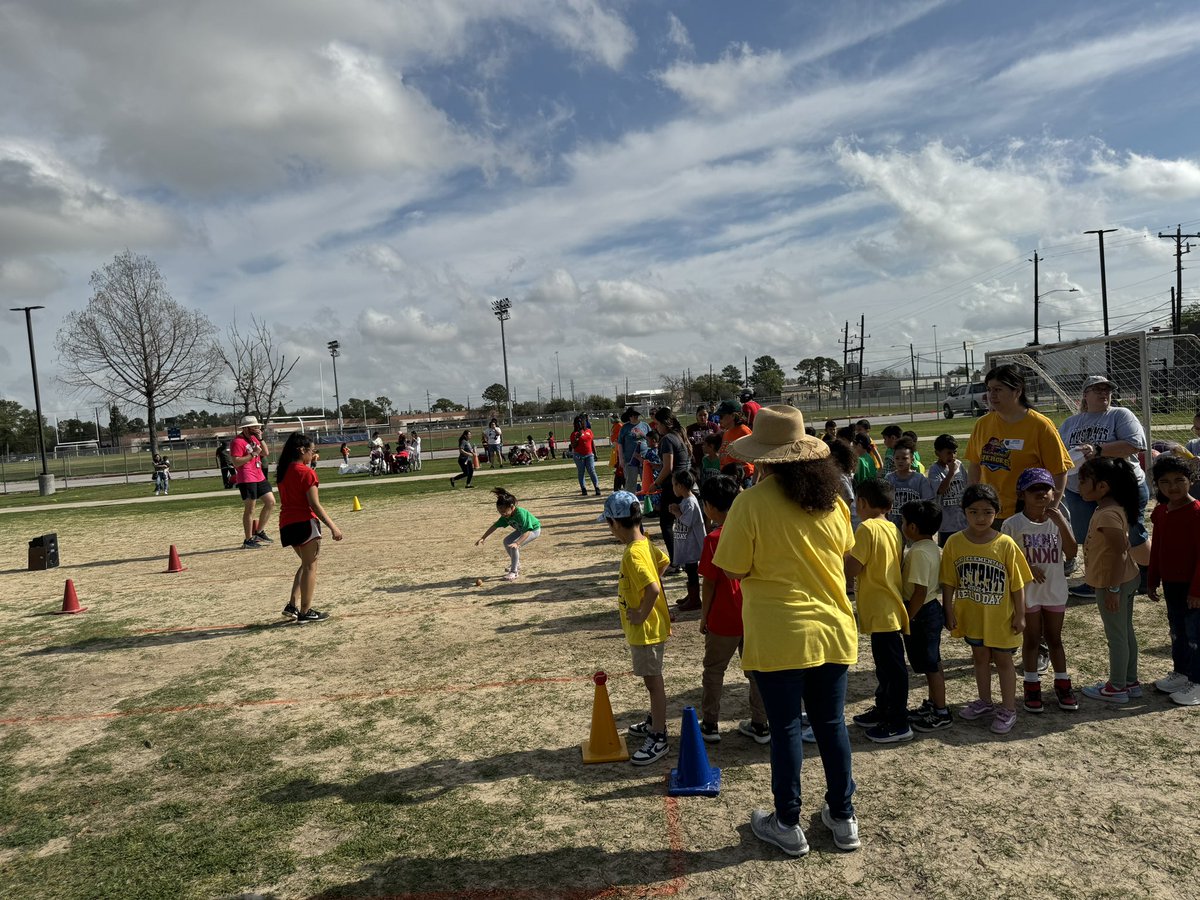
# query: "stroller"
{"type": "Point", "coordinates": [400, 462]}
{"type": "Point", "coordinates": [378, 462]}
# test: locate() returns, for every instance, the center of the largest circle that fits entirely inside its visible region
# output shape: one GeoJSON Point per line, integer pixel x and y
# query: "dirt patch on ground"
{"type": "Point", "coordinates": [425, 739]}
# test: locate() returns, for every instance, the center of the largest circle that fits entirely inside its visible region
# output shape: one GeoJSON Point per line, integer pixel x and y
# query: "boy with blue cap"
{"type": "Point", "coordinates": [644, 617]}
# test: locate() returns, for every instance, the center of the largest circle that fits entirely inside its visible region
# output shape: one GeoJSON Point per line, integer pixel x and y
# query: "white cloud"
{"type": "Point", "coordinates": [407, 327]}
{"type": "Point", "coordinates": [722, 85]}
{"type": "Point", "coordinates": [1148, 177]}
{"type": "Point", "coordinates": [677, 34]}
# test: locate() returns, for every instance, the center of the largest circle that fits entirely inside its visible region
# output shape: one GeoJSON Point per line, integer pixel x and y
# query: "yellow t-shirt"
{"type": "Point", "coordinates": [922, 568]}
{"type": "Point", "coordinates": [795, 611]}
{"type": "Point", "coordinates": [642, 565]}
{"type": "Point", "coordinates": [1003, 450]}
{"type": "Point", "coordinates": [984, 577]}
{"type": "Point", "coordinates": [878, 545]}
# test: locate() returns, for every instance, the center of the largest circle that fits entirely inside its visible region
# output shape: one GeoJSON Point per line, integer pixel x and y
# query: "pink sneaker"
{"type": "Point", "coordinates": [1003, 720]}
{"type": "Point", "coordinates": [976, 709]}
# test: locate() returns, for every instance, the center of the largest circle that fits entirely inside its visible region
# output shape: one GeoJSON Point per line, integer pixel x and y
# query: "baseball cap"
{"type": "Point", "coordinates": [619, 504]}
{"type": "Point", "coordinates": [728, 408]}
{"type": "Point", "coordinates": [1097, 381]}
{"type": "Point", "coordinates": [1033, 477]}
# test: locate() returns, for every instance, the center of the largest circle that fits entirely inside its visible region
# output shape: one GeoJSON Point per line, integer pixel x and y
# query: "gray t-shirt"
{"type": "Point", "coordinates": [688, 531]}
{"type": "Point", "coordinates": [1117, 424]}
{"type": "Point", "coordinates": [953, 517]}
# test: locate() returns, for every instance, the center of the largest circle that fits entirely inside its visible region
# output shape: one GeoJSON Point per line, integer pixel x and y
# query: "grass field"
{"type": "Point", "coordinates": [177, 740]}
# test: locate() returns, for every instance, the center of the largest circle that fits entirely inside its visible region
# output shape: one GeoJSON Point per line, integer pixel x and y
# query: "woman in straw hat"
{"type": "Point", "coordinates": [786, 539]}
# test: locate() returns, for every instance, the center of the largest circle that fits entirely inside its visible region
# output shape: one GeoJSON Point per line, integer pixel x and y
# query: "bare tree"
{"type": "Point", "coordinates": [260, 373]}
{"type": "Point", "coordinates": [133, 343]}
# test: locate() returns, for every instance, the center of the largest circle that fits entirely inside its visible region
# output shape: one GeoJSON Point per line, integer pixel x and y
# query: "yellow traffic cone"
{"type": "Point", "coordinates": [357, 505]}
{"type": "Point", "coordinates": [604, 744]}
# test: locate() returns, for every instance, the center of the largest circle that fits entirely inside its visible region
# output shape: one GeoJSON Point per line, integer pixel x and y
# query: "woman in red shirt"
{"type": "Point", "coordinates": [300, 518]}
{"type": "Point", "coordinates": [583, 445]}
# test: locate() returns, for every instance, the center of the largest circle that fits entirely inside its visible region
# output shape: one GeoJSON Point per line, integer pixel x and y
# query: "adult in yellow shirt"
{"type": "Point", "coordinates": [785, 539]}
{"type": "Point", "coordinates": [1011, 438]}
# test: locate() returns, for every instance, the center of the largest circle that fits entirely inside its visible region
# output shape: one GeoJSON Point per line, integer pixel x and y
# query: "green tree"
{"type": "Point", "coordinates": [820, 371]}
{"type": "Point", "coordinates": [598, 402]}
{"type": "Point", "coordinates": [711, 388]}
{"type": "Point", "coordinates": [133, 343]}
{"type": "Point", "coordinates": [18, 428]}
{"type": "Point", "coordinates": [71, 430]}
{"type": "Point", "coordinates": [385, 406]}
{"type": "Point", "coordinates": [559, 405]}
{"type": "Point", "coordinates": [767, 376]}
{"type": "Point", "coordinates": [496, 394]}
{"type": "Point", "coordinates": [732, 374]}
{"type": "Point", "coordinates": [1190, 318]}
{"type": "Point", "coordinates": [359, 409]}
{"type": "Point", "coordinates": [445, 404]}
{"type": "Point", "coordinates": [118, 424]}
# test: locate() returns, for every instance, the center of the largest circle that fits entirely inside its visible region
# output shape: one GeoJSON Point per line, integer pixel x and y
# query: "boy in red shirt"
{"type": "Point", "coordinates": [1175, 564]}
{"type": "Point", "coordinates": [721, 621]}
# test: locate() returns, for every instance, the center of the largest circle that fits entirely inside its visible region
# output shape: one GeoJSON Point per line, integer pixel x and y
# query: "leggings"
{"type": "Point", "coordinates": [1118, 631]}
{"type": "Point", "coordinates": [514, 552]}
{"type": "Point", "coordinates": [468, 469]}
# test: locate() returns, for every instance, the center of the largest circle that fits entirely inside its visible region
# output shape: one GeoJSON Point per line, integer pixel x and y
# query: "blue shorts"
{"type": "Point", "coordinates": [978, 642]}
{"type": "Point", "coordinates": [924, 639]}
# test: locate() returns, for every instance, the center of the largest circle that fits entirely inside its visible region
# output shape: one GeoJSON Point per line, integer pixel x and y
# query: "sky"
{"type": "Point", "coordinates": [657, 185]}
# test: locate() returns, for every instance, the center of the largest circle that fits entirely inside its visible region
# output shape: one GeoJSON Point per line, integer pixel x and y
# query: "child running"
{"type": "Point", "coordinates": [526, 530]}
{"type": "Point", "coordinates": [1044, 535]}
{"type": "Point", "coordinates": [300, 518]}
{"type": "Point", "coordinates": [644, 617]}
{"type": "Point", "coordinates": [1112, 486]}
{"type": "Point", "coordinates": [948, 478]}
{"type": "Point", "coordinates": [984, 575]}
{"type": "Point", "coordinates": [721, 622]}
{"type": "Point", "coordinates": [921, 576]}
{"type": "Point", "coordinates": [875, 561]}
{"type": "Point", "coordinates": [1175, 564]}
{"type": "Point", "coordinates": [688, 532]}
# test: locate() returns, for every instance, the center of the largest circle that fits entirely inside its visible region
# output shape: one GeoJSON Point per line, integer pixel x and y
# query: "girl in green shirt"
{"type": "Point", "coordinates": [526, 528]}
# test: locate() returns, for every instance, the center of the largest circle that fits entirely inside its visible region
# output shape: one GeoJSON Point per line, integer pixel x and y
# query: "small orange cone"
{"type": "Point", "coordinates": [604, 744]}
{"type": "Point", "coordinates": [173, 563]}
{"type": "Point", "coordinates": [70, 601]}
{"type": "Point", "coordinates": [357, 505]}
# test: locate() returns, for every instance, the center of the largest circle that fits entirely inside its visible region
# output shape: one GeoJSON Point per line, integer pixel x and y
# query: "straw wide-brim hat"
{"type": "Point", "coordinates": [779, 437]}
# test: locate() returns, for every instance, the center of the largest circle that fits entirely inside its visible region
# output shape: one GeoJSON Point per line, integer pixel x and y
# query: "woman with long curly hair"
{"type": "Point", "coordinates": [786, 540]}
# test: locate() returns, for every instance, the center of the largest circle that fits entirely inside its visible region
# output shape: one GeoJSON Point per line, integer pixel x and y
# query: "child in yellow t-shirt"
{"type": "Point", "coordinates": [984, 573]}
{"type": "Point", "coordinates": [644, 617]}
{"type": "Point", "coordinates": [875, 561]}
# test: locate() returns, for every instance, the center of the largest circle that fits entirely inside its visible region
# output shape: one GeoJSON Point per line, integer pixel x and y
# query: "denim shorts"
{"type": "Point", "coordinates": [924, 639]}
{"type": "Point", "coordinates": [978, 642]}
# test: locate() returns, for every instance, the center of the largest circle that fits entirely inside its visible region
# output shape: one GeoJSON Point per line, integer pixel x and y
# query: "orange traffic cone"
{"type": "Point", "coordinates": [604, 744]}
{"type": "Point", "coordinates": [70, 601]}
{"type": "Point", "coordinates": [173, 563]}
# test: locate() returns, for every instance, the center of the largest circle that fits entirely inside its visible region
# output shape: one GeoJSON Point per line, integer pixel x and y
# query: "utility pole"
{"type": "Point", "coordinates": [1060, 332]}
{"type": "Point", "coordinates": [966, 364]}
{"type": "Point", "coordinates": [845, 363]}
{"type": "Point", "coordinates": [746, 369]}
{"type": "Point", "coordinates": [862, 349]}
{"type": "Point", "coordinates": [1100, 233]}
{"type": "Point", "coordinates": [937, 357]}
{"type": "Point", "coordinates": [559, 369]}
{"type": "Point", "coordinates": [1180, 249]}
{"type": "Point", "coordinates": [1035, 298]}
{"type": "Point", "coordinates": [572, 393]}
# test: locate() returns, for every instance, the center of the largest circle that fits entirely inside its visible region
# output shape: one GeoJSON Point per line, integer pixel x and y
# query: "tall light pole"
{"type": "Point", "coordinates": [337, 398]}
{"type": "Point", "coordinates": [1037, 295]}
{"type": "Point", "coordinates": [937, 357]}
{"type": "Point", "coordinates": [500, 308]}
{"type": "Point", "coordinates": [45, 480]}
{"type": "Point", "coordinates": [558, 368]}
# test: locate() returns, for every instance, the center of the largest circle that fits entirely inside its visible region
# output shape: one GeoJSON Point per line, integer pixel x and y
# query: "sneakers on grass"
{"type": "Point", "coordinates": [653, 749]}
{"type": "Point", "coordinates": [641, 729]}
{"type": "Point", "coordinates": [788, 838]}
{"type": "Point", "coordinates": [1106, 692]}
{"type": "Point", "coordinates": [886, 734]}
{"type": "Point", "coordinates": [710, 732]}
{"type": "Point", "coordinates": [1187, 696]}
{"type": "Point", "coordinates": [976, 709]}
{"type": "Point", "coordinates": [759, 732]}
{"type": "Point", "coordinates": [311, 616]}
{"type": "Point", "coordinates": [845, 831]}
{"type": "Point", "coordinates": [1172, 682]}
{"type": "Point", "coordinates": [290, 611]}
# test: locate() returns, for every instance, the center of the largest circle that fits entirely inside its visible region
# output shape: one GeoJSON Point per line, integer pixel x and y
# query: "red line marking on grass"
{"type": "Point", "coordinates": [297, 701]}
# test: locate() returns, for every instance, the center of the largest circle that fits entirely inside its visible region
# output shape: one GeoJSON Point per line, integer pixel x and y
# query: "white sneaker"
{"type": "Point", "coordinates": [1188, 696]}
{"type": "Point", "coordinates": [1172, 682]}
{"type": "Point", "coordinates": [788, 838]}
{"type": "Point", "coordinates": [845, 831]}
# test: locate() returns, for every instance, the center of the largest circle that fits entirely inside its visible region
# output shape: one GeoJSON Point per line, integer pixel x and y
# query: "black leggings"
{"type": "Point", "coordinates": [468, 469]}
{"type": "Point", "coordinates": [666, 522]}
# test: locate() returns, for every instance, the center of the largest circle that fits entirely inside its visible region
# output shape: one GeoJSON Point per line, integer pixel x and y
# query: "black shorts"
{"type": "Point", "coordinates": [253, 490]}
{"type": "Point", "coordinates": [299, 533]}
{"type": "Point", "coordinates": [924, 639]}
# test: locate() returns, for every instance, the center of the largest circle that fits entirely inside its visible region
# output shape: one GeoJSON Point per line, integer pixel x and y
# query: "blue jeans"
{"type": "Point", "coordinates": [821, 692]}
{"type": "Point", "coordinates": [1081, 516]}
{"type": "Point", "coordinates": [586, 464]}
{"type": "Point", "coordinates": [1184, 625]}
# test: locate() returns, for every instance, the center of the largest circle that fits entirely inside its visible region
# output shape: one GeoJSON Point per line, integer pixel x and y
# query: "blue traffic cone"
{"type": "Point", "coordinates": [695, 776]}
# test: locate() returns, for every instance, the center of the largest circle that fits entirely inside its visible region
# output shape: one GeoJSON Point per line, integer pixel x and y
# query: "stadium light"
{"type": "Point", "coordinates": [333, 352]}
{"type": "Point", "coordinates": [500, 309]}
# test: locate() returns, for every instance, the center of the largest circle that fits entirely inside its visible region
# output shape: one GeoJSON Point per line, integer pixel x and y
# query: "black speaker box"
{"type": "Point", "coordinates": [43, 552]}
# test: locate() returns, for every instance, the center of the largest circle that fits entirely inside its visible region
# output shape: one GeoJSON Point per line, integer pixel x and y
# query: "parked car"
{"type": "Point", "coordinates": [966, 398]}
